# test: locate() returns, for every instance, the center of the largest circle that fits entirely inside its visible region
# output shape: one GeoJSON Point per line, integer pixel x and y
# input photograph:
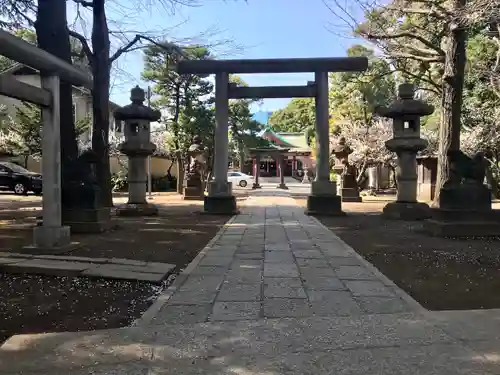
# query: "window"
{"type": "Point", "coordinates": [3, 169]}
{"type": "Point", "coordinates": [13, 167]}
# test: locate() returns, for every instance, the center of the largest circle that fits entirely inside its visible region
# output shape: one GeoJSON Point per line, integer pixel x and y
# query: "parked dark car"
{"type": "Point", "coordinates": [18, 179]}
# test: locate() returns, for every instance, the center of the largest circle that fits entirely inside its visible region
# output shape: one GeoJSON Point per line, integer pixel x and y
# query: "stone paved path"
{"type": "Point", "coordinates": [273, 261]}
{"type": "Point", "coordinates": [274, 293]}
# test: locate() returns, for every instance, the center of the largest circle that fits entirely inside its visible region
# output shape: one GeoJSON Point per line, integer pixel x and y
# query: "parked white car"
{"type": "Point", "coordinates": [239, 179]}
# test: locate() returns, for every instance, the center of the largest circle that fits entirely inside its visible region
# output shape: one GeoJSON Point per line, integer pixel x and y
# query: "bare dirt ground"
{"type": "Point", "coordinates": [440, 273]}
{"type": "Point", "coordinates": [33, 303]}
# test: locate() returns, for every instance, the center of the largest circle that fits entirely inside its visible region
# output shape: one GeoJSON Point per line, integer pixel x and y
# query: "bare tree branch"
{"type": "Point", "coordinates": [84, 3]}
{"type": "Point", "coordinates": [85, 45]}
{"type": "Point", "coordinates": [438, 50]}
{"type": "Point", "coordinates": [169, 47]}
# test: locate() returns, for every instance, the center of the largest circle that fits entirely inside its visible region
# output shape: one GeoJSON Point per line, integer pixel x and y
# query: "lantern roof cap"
{"type": "Point", "coordinates": [137, 110]}
{"type": "Point", "coordinates": [405, 104]}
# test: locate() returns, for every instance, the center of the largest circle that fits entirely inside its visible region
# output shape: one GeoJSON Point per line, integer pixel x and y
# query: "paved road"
{"type": "Point", "coordinates": [275, 292]}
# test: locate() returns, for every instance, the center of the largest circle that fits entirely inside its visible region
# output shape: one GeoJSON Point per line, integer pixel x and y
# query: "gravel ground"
{"type": "Point", "coordinates": [37, 304]}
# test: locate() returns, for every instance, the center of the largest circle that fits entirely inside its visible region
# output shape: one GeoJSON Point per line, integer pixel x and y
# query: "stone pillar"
{"type": "Point", "coordinates": [51, 234]}
{"type": "Point", "coordinates": [323, 199]}
{"type": "Point", "coordinates": [220, 199]}
{"type": "Point", "coordinates": [281, 167]}
{"type": "Point", "coordinates": [322, 130]}
{"type": "Point", "coordinates": [406, 176]}
{"type": "Point", "coordinates": [220, 186]}
{"type": "Point", "coordinates": [406, 142]}
{"type": "Point", "coordinates": [137, 180]}
{"type": "Point", "coordinates": [138, 147]}
{"type": "Point", "coordinates": [256, 184]}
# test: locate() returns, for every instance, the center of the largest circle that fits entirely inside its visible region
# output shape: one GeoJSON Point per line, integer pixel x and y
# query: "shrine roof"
{"type": "Point", "coordinates": [295, 141]}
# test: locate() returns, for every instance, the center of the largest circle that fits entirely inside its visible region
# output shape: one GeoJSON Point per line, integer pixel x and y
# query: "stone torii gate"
{"type": "Point", "coordinates": [323, 198]}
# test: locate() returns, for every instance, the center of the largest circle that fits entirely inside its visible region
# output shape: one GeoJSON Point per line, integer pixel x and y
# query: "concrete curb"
{"type": "Point", "coordinates": [153, 310]}
{"type": "Point", "coordinates": [417, 307]}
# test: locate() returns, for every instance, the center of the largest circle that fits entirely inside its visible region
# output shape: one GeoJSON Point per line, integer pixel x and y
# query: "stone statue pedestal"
{"type": "Point", "coordinates": [350, 195]}
{"type": "Point", "coordinates": [137, 209]}
{"type": "Point", "coordinates": [465, 212]}
{"type": "Point", "coordinates": [194, 188]}
{"type": "Point", "coordinates": [91, 220]}
{"type": "Point", "coordinates": [323, 200]}
{"type": "Point", "coordinates": [406, 211]}
{"type": "Point", "coordinates": [463, 223]}
{"type": "Point", "coordinates": [466, 196]}
{"type": "Point", "coordinates": [82, 197]}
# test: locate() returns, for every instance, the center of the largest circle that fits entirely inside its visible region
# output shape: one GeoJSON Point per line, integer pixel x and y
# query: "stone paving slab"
{"type": "Point", "coordinates": [71, 266]}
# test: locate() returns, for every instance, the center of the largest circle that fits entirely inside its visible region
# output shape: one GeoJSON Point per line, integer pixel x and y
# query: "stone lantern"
{"type": "Point", "coordinates": [137, 146]}
{"type": "Point", "coordinates": [405, 113]}
{"type": "Point", "coordinates": [348, 182]}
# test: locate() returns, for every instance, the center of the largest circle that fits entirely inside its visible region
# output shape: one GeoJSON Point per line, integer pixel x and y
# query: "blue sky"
{"type": "Point", "coordinates": [265, 28]}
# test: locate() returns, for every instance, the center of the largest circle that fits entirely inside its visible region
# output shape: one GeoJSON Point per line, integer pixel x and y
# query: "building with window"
{"type": "Point", "coordinates": [82, 98]}
{"type": "Point", "coordinates": [297, 158]}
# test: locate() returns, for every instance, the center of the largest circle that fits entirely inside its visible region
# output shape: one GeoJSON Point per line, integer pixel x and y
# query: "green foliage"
{"type": "Point", "coordinates": [297, 116]}
{"type": "Point", "coordinates": [354, 96]}
{"type": "Point", "coordinates": [24, 133]}
{"type": "Point", "coordinates": [27, 35]}
{"type": "Point", "coordinates": [185, 98]}
{"type": "Point", "coordinates": [83, 125]}
{"type": "Point", "coordinates": [481, 98]}
{"type": "Point", "coordinates": [119, 181]}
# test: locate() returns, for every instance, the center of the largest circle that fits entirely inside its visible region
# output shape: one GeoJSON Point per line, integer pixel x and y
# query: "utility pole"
{"type": "Point", "coordinates": [150, 194]}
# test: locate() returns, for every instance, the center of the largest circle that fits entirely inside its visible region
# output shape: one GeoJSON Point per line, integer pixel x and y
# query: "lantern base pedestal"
{"type": "Point", "coordinates": [409, 211]}
{"type": "Point", "coordinates": [256, 186]}
{"type": "Point", "coordinates": [137, 209]}
{"type": "Point", "coordinates": [282, 186]}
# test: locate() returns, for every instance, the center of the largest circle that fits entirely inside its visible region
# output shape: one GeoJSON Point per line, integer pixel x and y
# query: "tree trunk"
{"type": "Point", "coordinates": [180, 174]}
{"type": "Point", "coordinates": [100, 100]}
{"type": "Point", "coordinates": [241, 158]}
{"type": "Point", "coordinates": [169, 170]}
{"type": "Point", "coordinates": [361, 173]}
{"type": "Point", "coordinates": [451, 98]}
{"type": "Point", "coordinates": [53, 36]}
{"type": "Point", "coordinates": [26, 158]}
